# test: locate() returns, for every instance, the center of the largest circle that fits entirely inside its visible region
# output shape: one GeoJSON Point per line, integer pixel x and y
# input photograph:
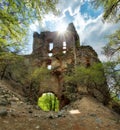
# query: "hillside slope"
{"type": "Point", "coordinates": [84, 114]}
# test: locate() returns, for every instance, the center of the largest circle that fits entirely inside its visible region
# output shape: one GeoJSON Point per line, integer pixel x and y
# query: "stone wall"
{"type": "Point", "coordinates": [41, 42]}
{"type": "Point", "coordinates": [86, 56]}
{"type": "Point", "coordinates": [62, 62]}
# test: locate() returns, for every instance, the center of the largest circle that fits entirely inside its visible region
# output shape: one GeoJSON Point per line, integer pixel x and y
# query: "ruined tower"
{"type": "Point", "coordinates": [61, 53]}
{"type": "Point", "coordinates": [48, 45]}
{"type": "Point", "coordinates": [42, 41]}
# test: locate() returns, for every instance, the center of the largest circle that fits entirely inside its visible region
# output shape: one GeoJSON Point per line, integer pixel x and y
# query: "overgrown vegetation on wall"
{"type": "Point", "coordinates": [93, 78]}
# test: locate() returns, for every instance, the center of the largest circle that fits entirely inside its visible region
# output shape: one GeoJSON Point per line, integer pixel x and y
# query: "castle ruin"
{"type": "Point", "coordinates": [61, 53]}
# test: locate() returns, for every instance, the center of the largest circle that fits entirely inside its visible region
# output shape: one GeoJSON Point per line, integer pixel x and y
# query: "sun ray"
{"type": "Point", "coordinates": [61, 28]}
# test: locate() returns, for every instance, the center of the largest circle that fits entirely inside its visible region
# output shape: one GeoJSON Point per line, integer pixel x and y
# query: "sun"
{"type": "Point", "coordinates": [61, 28]}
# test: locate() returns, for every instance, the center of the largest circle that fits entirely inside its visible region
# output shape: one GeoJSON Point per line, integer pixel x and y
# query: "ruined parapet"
{"type": "Point", "coordinates": [42, 41]}
{"type": "Point", "coordinates": [53, 48]}
{"type": "Point", "coordinates": [86, 56]}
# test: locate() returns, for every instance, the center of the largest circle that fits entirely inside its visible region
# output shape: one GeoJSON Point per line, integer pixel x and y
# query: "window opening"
{"type": "Point", "coordinates": [50, 46]}
{"type": "Point", "coordinates": [50, 54]}
{"type": "Point", "coordinates": [64, 43]}
{"type": "Point", "coordinates": [64, 52]}
{"type": "Point", "coordinates": [49, 67]}
{"type": "Point", "coordinates": [64, 47]}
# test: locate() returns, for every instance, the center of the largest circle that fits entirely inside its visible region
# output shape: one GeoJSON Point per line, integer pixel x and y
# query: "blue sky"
{"type": "Point", "coordinates": [87, 20]}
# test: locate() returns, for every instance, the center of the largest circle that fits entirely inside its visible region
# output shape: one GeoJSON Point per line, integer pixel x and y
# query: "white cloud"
{"type": "Point", "coordinates": [34, 26]}
{"type": "Point", "coordinates": [71, 5]}
{"type": "Point", "coordinates": [91, 30]}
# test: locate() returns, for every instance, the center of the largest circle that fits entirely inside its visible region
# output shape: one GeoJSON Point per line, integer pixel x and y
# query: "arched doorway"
{"type": "Point", "coordinates": [48, 102]}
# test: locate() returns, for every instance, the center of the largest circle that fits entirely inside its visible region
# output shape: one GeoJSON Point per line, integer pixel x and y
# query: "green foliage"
{"type": "Point", "coordinates": [15, 17]}
{"type": "Point", "coordinates": [112, 71]}
{"type": "Point", "coordinates": [111, 12]}
{"type": "Point", "coordinates": [30, 77]}
{"type": "Point", "coordinates": [112, 49]}
{"type": "Point", "coordinates": [112, 67]}
{"type": "Point", "coordinates": [34, 78]}
{"type": "Point", "coordinates": [111, 8]}
{"type": "Point", "coordinates": [48, 102]}
{"type": "Point", "coordinates": [115, 97]}
{"type": "Point", "coordinates": [38, 74]}
{"type": "Point", "coordinates": [11, 30]}
{"type": "Point", "coordinates": [113, 46]}
{"type": "Point", "coordinates": [7, 63]}
{"type": "Point", "coordinates": [87, 76]}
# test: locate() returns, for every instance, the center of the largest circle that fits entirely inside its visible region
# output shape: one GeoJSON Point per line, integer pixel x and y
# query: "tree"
{"type": "Point", "coordinates": [111, 12]}
{"type": "Point", "coordinates": [36, 75]}
{"type": "Point", "coordinates": [92, 77]}
{"type": "Point", "coordinates": [87, 76]}
{"type": "Point", "coordinates": [112, 66]}
{"type": "Point", "coordinates": [112, 71]}
{"type": "Point", "coordinates": [15, 17]}
{"type": "Point", "coordinates": [8, 63]}
{"type": "Point", "coordinates": [33, 80]}
{"type": "Point", "coordinates": [111, 8]}
{"type": "Point", "coordinates": [112, 48]}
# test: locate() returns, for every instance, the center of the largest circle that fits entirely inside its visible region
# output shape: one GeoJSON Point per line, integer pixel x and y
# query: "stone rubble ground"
{"type": "Point", "coordinates": [16, 114]}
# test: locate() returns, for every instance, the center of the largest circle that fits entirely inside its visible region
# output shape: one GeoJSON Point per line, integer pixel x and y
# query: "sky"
{"type": "Point", "coordinates": [88, 22]}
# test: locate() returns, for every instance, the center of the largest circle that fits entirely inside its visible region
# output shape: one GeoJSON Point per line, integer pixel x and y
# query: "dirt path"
{"type": "Point", "coordinates": [84, 114]}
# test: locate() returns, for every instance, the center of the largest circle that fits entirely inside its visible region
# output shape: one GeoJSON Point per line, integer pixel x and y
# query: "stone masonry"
{"type": "Point", "coordinates": [59, 52]}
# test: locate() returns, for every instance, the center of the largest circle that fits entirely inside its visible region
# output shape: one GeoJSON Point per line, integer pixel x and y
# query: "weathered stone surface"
{"type": "Point", "coordinates": [7, 97]}
{"type": "Point", "coordinates": [41, 41]}
{"type": "Point", "coordinates": [63, 62]}
{"type": "Point", "coordinates": [86, 56]}
{"type": "Point", "coordinates": [3, 113]}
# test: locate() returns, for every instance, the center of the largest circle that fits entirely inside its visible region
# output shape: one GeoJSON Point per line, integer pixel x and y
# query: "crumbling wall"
{"type": "Point", "coordinates": [86, 56]}
{"type": "Point", "coordinates": [63, 62]}
{"type": "Point", "coordinates": [42, 41]}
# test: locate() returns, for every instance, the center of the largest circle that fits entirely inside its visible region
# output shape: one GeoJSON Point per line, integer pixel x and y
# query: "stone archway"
{"type": "Point", "coordinates": [48, 101]}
